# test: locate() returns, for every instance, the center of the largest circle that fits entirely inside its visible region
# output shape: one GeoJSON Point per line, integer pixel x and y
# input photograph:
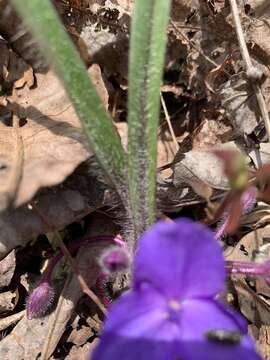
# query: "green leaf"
{"type": "Point", "coordinates": [146, 61]}
{"type": "Point", "coordinates": [47, 29]}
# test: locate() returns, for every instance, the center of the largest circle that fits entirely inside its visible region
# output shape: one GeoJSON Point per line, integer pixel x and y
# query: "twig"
{"type": "Point", "coordinates": [176, 28]}
{"type": "Point", "coordinates": [82, 282]}
{"type": "Point", "coordinates": [167, 116]}
{"type": "Point", "coordinates": [252, 72]}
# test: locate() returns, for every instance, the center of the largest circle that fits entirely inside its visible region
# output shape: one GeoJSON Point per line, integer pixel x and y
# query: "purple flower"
{"type": "Point", "coordinates": [171, 312]}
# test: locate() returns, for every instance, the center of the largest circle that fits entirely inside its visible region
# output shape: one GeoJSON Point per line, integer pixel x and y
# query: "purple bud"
{"type": "Point", "coordinates": [39, 300]}
{"type": "Point", "coordinates": [114, 260]}
{"type": "Point", "coordinates": [248, 200]}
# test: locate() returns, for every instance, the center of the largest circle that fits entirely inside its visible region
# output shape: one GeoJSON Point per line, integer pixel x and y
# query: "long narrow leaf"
{"type": "Point", "coordinates": [41, 18]}
{"type": "Point", "coordinates": [148, 42]}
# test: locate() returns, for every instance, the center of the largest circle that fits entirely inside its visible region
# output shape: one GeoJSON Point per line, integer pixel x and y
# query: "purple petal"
{"type": "Point", "coordinates": [137, 328]}
{"type": "Point", "coordinates": [197, 318]}
{"type": "Point", "coordinates": [117, 347]}
{"type": "Point", "coordinates": [181, 259]}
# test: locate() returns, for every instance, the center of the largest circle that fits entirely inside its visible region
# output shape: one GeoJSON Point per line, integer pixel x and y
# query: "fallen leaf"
{"type": "Point", "coordinates": [78, 196]}
{"type": "Point", "coordinates": [82, 352]}
{"type": "Point", "coordinates": [80, 336]}
{"type": "Point", "coordinates": [201, 166]}
{"type": "Point", "coordinates": [7, 268]}
{"type": "Point", "coordinates": [8, 301]}
{"type": "Point", "coordinates": [238, 98]}
{"type": "Point", "coordinates": [262, 338]}
{"type": "Point", "coordinates": [210, 133]}
{"type": "Point", "coordinates": [246, 248]}
{"type": "Point", "coordinates": [255, 309]}
{"type": "Point", "coordinates": [260, 7]}
{"type": "Point", "coordinates": [52, 138]}
{"type": "Point", "coordinates": [259, 33]}
{"type": "Point", "coordinates": [182, 9]}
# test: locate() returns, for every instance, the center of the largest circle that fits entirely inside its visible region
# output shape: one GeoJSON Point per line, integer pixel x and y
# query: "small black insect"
{"type": "Point", "coordinates": [224, 336]}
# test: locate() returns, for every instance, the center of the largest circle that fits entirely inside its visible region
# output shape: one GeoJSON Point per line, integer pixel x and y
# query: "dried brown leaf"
{"type": "Point", "coordinates": [26, 339]}
{"type": "Point", "coordinates": [260, 7]}
{"type": "Point", "coordinates": [240, 103]}
{"type": "Point", "coordinates": [245, 249]}
{"type": "Point", "coordinates": [201, 166]}
{"type": "Point", "coordinates": [210, 133]}
{"type": "Point", "coordinates": [52, 139]}
{"type": "Point", "coordinates": [82, 352]}
{"type": "Point", "coordinates": [247, 298]}
{"type": "Point", "coordinates": [7, 268]}
{"type": "Point", "coordinates": [79, 195]}
{"type": "Point", "coordinates": [181, 9]}
{"type": "Point", "coordinates": [262, 337]}
{"type": "Point", "coordinates": [259, 34]}
{"type": "Point", "coordinates": [8, 301]}
{"type": "Point", "coordinates": [80, 336]}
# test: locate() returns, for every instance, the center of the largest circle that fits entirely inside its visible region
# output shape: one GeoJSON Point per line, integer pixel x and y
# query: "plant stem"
{"type": "Point", "coordinates": [147, 50]}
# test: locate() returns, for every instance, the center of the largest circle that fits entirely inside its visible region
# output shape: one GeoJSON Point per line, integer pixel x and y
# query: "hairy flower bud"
{"type": "Point", "coordinates": [39, 300]}
{"type": "Point", "coordinates": [115, 259]}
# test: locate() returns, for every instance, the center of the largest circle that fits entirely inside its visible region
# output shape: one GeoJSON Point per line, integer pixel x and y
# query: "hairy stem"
{"type": "Point", "coordinates": [147, 49]}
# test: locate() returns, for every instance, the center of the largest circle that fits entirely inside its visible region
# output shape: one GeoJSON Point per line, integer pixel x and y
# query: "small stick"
{"type": "Point", "coordinates": [167, 116]}
{"type": "Point", "coordinates": [176, 28]}
{"type": "Point", "coordinates": [72, 263]}
{"type": "Point", "coordinates": [250, 69]}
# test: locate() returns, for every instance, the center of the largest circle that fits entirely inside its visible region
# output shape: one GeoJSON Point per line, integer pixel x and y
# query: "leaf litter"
{"type": "Point", "coordinates": [209, 102]}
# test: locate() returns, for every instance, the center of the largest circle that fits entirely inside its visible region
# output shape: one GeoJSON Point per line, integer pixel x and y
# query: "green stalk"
{"type": "Point", "coordinates": [47, 29]}
{"type": "Point", "coordinates": [146, 61]}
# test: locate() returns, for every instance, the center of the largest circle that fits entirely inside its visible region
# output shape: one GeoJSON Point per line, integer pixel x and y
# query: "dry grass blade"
{"type": "Point", "coordinates": [11, 320]}
{"type": "Point", "coordinates": [167, 116]}
{"type": "Point", "coordinates": [250, 69]}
